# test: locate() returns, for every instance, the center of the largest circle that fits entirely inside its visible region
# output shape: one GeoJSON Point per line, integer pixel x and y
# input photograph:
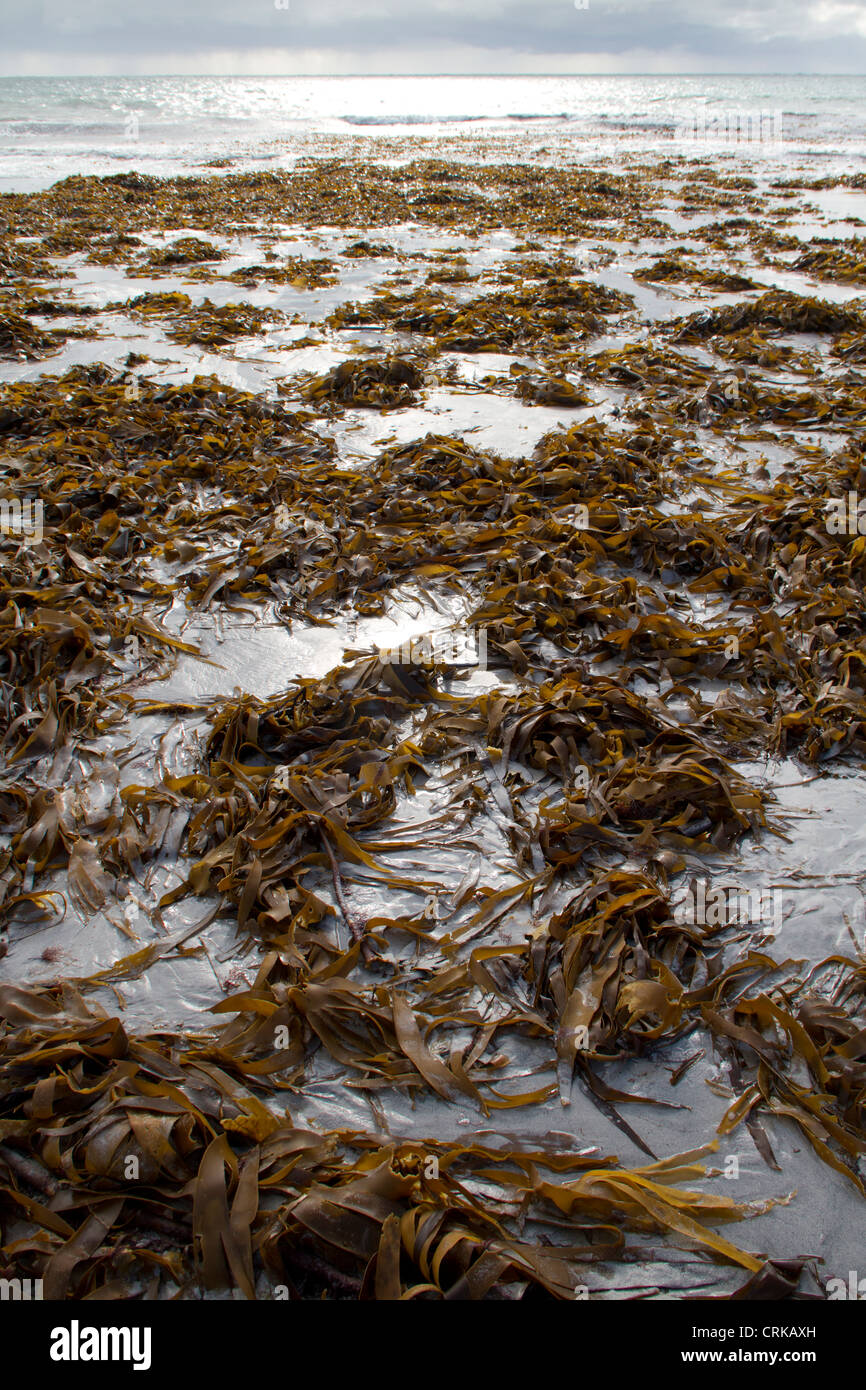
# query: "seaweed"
{"type": "Point", "coordinates": [777, 311]}
{"type": "Point", "coordinates": [21, 338]}
{"type": "Point", "coordinates": [209, 324]}
{"type": "Point", "coordinates": [542, 316]}
{"type": "Point", "coordinates": [186, 250]}
{"type": "Point", "coordinates": [652, 620]}
{"type": "Point", "coordinates": [674, 269]}
{"type": "Point", "coordinates": [301, 274]}
{"type": "Point", "coordinates": [379, 385]}
{"type": "Point", "coordinates": [364, 250]}
{"type": "Point", "coordinates": [845, 264]}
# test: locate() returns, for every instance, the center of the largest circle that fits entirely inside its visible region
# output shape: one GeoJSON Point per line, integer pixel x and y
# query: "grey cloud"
{"type": "Point", "coordinates": [809, 34]}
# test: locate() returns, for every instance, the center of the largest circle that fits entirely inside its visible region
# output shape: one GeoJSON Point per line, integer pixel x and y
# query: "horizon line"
{"type": "Point", "coordinates": [414, 76]}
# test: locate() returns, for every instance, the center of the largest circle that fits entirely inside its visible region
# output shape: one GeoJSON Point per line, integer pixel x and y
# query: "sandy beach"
{"type": "Point", "coordinates": [433, 710]}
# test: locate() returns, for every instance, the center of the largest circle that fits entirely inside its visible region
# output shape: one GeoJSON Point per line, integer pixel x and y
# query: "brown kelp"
{"type": "Point", "coordinates": [454, 890]}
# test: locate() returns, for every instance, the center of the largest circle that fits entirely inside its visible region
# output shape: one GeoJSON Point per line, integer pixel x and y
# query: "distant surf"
{"type": "Point", "coordinates": [53, 127]}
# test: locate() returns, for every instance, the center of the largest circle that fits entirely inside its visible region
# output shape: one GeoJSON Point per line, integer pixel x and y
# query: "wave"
{"type": "Point", "coordinates": [455, 120]}
{"type": "Point", "coordinates": [539, 116]}
{"type": "Point", "coordinates": [636, 124]}
{"type": "Point", "coordinates": [410, 120]}
{"type": "Point", "coordinates": [10, 128]}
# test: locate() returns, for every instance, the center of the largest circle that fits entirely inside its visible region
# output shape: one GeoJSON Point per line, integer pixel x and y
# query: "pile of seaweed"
{"type": "Point", "coordinates": [603, 756]}
{"type": "Point", "coordinates": [21, 338]}
{"type": "Point", "coordinates": [549, 388]}
{"type": "Point", "coordinates": [378, 384]}
{"type": "Point", "coordinates": [248, 1199]}
{"type": "Point", "coordinates": [210, 325]}
{"type": "Point", "coordinates": [542, 315]}
{"type": "Point", "coordinates": [299, 272]}
{"type": "Point", "coordinates": [674, 269]}
{"type": "Point", "coordinates": [186, 250]}
{"type": "Point", "coordinates": [844, 263]}
{"type": "Point", "coordinates": [89, 215]}
{"type": "Point", "coordinates": [777, 311]}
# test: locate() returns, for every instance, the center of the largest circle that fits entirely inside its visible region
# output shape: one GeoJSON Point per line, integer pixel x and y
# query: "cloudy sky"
{"type": "Point", "coordinates": [78, 37]}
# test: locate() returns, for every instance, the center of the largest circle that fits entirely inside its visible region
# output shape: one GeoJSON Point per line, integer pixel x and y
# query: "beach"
{"type": "Point", "coordinates": [431, 661]}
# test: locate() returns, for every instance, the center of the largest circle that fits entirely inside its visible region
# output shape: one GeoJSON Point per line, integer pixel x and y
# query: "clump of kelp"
{"type": "Point", "coordinates": [777, 311]}
{"type": "Point", "coordinates": [186, 250]}
{"type": "Point", "coordinates": [207, 324]}
{"type": "Point", "coordinates": [345, 193]}
{"type": "Point", "coordinates": [673, 269]}
{"type": "Point", "coordinates": [367, 250]}
{"type": "Point", "coordinates": [378, 384]}
{"type": "Point", "coordinates": [550, 390]}
{"type": "Point", "coordinates": [614, 573]}
{"type": "Point", "coordinates": [844, 263]}
{"type": "Point", "coordinates": [21, 338]}
{"type": "Point", "coordinates": [299, 272]}
{"type": "Point", "coordinates": [229, 1193]}
{"type": "Point", "coordinates": [542, 315]}
{"type": "Point", "coordinates": [115, 476]}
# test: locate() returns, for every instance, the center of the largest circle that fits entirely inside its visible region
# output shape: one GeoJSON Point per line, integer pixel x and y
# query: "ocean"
{"type": "Point", "coordinates": [52, 127]}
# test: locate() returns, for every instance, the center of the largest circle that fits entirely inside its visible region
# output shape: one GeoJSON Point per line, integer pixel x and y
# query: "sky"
{"type": "Point", "coordinates": [246, 37]}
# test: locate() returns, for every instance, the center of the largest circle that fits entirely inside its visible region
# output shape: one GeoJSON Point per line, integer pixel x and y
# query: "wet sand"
{"type": "Point", "coordinates": [554, 430]}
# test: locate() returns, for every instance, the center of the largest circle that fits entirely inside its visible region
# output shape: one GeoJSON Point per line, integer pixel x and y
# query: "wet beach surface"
{"type": "Point", "coordinates": [432, 679]}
